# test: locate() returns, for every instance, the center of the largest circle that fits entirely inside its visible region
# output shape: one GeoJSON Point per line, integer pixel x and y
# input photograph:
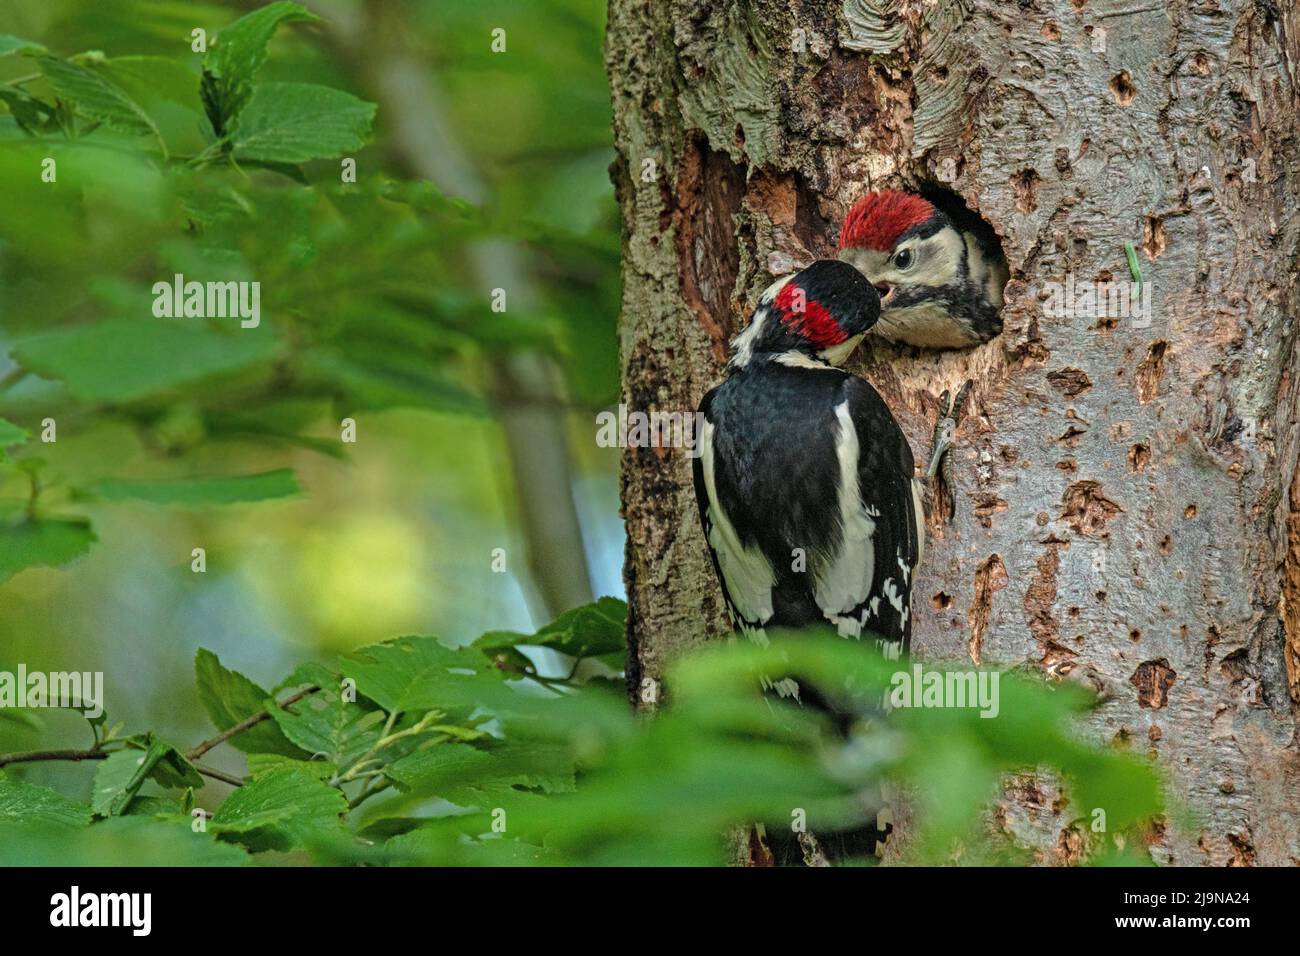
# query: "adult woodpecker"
{"type": "Point", "coordinates": [804, 481]}
{"type": "Point", "coordinates": [940, 276]}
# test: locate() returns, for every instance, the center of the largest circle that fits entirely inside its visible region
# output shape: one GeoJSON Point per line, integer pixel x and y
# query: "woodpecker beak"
{"type": "Point", "coordinates": [885, 291]}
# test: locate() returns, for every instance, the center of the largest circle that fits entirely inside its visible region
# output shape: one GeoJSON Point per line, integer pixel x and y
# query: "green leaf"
{"type": "Point", "coordinates": [10, 44]}
{"type": "Point", "coordinates": [259, 765]}
{"type": "Point", "coordinates": [468, 776]}
{"type": "Point", "coordinates": [23, 718]}
{"type": "Point", "coordinates": [119, 777]}
{"type": "Point", "coordinates": [297, 122]}
{"type": "Point", "coordinates": [229, 697]}
{"type": "Point", "coordinates": [10, 435]}
{"type": "Point", "coordinates": [279, 809]}
{"type": "Point", "coordinates": [592, 630]}
{"type": "Point", "coordinates": [201, 492]}
{"type": "Point", "coordinates": [236, 54]}
{"type": "Point", "coordinates": [116, 782]}
{"type": "Point", "coordinates": [32, 115]}
{"type": "Point", "coordinates": [120, 841]}
{"type": "Point", "coordinates": [414, 673]}
{"type": "Point", "coordinates": [43, 542]}
{"type": "Point", "coordinates": [326, 726]}
{"type": "Point", "coordinates": [150, 78]}
{"type": "Point", "coordinates": [95, 96]}
{"type": "Point", "coordinates": [124, 359]}
{"type": "Point", "coordinates": [26, 802]}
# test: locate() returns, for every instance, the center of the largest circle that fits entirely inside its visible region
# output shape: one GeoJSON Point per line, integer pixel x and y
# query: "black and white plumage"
{"type": "Point", "coordinates": [805, 482]}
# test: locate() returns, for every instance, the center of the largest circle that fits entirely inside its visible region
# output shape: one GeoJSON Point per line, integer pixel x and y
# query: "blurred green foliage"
{"type": "Point", "coordinates": [413, 752]}
{"type": "Point", "coordinates": [368, 312]}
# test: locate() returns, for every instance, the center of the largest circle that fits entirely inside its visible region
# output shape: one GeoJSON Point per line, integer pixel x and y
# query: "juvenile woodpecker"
{"type": "Point", "coordinates": [804, 481]}
{"type": "Point", "coordinates": [940, 277]}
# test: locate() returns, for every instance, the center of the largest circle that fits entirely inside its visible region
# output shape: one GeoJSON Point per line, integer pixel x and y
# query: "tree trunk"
{"type": "Point", "coordinates": [1125, 503]}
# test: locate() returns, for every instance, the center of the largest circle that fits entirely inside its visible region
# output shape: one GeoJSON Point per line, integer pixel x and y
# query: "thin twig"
{"type": "Point", "coordinates": [243, 725]}
{"type": "Point", "coordinates": [31, 756]}
{"type": "Point", "coordinates": [218, 775]}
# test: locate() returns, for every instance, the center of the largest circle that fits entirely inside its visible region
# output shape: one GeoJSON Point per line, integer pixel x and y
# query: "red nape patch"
{"type": "Point", "coordinates": [807, 317]}
{"type": "Point", "coordinates": [878, 219]}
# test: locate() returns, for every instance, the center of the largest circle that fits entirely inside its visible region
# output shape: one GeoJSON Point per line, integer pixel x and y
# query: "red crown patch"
{"type": "Point", "coordinates": [808, 317]}
{"type": "Point", "coordinates": [878, 219]}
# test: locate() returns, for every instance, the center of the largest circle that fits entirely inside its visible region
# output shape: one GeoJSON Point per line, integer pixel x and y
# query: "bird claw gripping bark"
{"type": "Point", "coordinates": [939, 474]}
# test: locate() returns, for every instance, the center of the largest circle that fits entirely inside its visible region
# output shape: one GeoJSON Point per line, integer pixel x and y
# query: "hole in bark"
{"type": "Point", "coordinates": [1069, 381]}
{"type": "Point", "coordinates": [1121, 85]}
{"type": "Point", "coordinates": [1138, 456]}
{"type": "Point", "coordinates": [1153, 237]}
{"type": "Point", "coordinates": [1025, 185]}
{"type": "Point", "coordinates": [941, 601]}
{"type": "Point", "coordinates": [1150, 370]}
{"type": "Point", "coordinates": [1153, 679]}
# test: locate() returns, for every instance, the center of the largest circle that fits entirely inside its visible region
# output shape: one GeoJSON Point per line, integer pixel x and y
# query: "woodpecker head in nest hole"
{"type": "Point", "coordinates": [940, 281]}
{"type": "Point", "coordinates": [817, 315]}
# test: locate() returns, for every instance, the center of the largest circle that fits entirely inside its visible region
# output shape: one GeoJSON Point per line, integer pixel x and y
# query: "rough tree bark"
{"type": "Point", "coordinates": [1126, 508]}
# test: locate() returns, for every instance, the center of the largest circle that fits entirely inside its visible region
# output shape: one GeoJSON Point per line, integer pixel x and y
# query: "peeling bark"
{"type": "Point", "coordinates": [1125, 502]}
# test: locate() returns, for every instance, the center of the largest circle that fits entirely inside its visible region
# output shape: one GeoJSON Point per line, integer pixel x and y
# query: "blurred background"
{"type": "Point", "coordinates": [474, 428]}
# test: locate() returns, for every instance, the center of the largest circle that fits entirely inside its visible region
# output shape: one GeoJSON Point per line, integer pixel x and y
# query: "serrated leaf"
{"type": "Point", "coordinates": [96, 97]}
{"type": "Point", "coordinates": [117, 842]}
{"type": "Point", "coordinates": [297, 122]}
{"type": "Point", "coordinates": [326, 726]}
{"type": "Point", "coordinates": [414, 674]}
{"type": "Point", "coordinates": [592, 630]}
{"type": "Point", "coordinates": [124, 359]}
{"type": "Point", "coordinates": [234, 58]}
{"type": "Point", "coordinates": [309, 674]}
{"type": "Point", "coordinates": [21, 802]}
{"type": "Point", "coordinates": [10, 44]}
{"type": "Point", "coordinates": [46, 542]}
{"type": "Point", "coordinates": [201, 492]}
{"type": "Point", "coordinates": [279, 809]}
{"type": "Point", "coordinates": [229, 697]}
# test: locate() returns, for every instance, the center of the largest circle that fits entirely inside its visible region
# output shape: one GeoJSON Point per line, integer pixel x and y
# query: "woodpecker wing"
{"type": "Point", "coordinates": [867, 583]}
{"type": "Point", "coordinates": [805, 489]}
{"type": "Point", "coordinates": [741, 565]}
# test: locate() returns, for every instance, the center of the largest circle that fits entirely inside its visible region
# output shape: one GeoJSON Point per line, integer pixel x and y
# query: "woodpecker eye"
{"type": "Point", "coordinates": [903, 259]}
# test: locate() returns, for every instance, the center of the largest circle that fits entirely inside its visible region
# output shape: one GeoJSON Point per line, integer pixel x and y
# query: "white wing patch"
{"type": "Point", "coordinates": [843, 583]}
{"type": "Point", "coordinates": [746, 571]}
